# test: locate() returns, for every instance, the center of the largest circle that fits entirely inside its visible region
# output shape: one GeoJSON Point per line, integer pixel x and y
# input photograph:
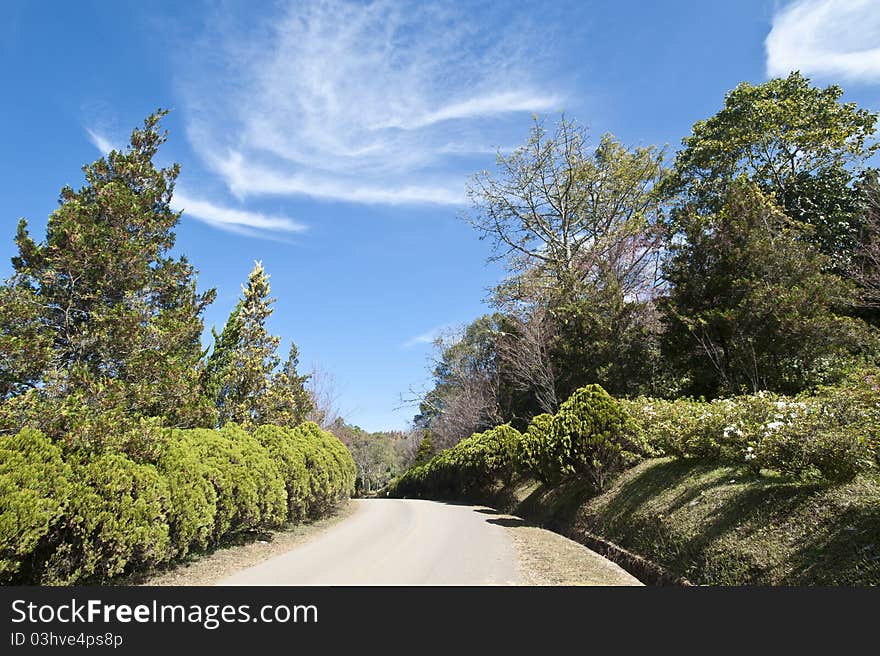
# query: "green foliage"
{"type": "Point", "coordinates": [831, 435]}
{"type": "Point", "coordinates": [530, 444]}
{"type": "Point", "coordinates": [241, 374]}
{"type": "Point", "coordinates": [590, 435]}
{"type": "Point", "coordinates": [193, 496]}
{"type": "Point", "coordinates": [101, 302]}
{"type": "Point", "coordinates": [775, 133]}
{"type": "Point", "coordinates": [426, 450]}
{"type": "Point", "coordinates": [289, 455]}
{"type": "Point", "coordinates": [468, 469]}
{"type": "Point", "coordinates": [94, 516]}
{"type": "Point", "coordinates": [115, 519]}
{"type": "Point", "coordinates": [77, 421]}
{"type": "Point", "coordinates": [250, 492]}
{"type": "Point", "coordinates": [34, 481]}
{"type": "Point", "coordinates": [332, 471]}
{"type": "Point", "coordinates": [752, 307]}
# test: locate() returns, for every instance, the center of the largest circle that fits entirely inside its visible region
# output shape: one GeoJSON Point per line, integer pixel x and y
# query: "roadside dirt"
{"type": "Point", "coordinates": [547, 558]}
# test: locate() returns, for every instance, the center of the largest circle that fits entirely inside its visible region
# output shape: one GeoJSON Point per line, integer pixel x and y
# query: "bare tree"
{"type": "Point", "coordinates": [525, 356]}
{"type": "Point", "coordinates": [865, 267]}
{"type": "Point", "coordinates": [464, 399]}
{"type": "Point", "coordinates": [322, 390]}
{"type": "Point", "coordinates": [577, 215]}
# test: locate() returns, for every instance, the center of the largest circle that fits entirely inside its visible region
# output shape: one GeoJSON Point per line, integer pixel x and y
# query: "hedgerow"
{"type": "Point", "coordinates": [290, 458]}
{"type": "Point", "coordinates": [116, 518]}
{"type": "Point", "coordinates": [466, 469]}
{"type": "Point", "coordinates": [590, 435]}
{"type": "Point", "coordinates": [89, 516]}
{"type": "Point", "coordinates": [332, 471]}
{"type": "Point", "coordinates": [34, 481]}
{"type": "Point", "coordinates": [831, 434]}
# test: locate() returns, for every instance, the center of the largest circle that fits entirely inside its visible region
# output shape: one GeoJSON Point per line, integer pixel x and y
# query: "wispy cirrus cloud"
{"type": "Point", "coordinates": [833, 38]}
{"type": "Point", "coordinates": [231, 219]}
{"type": "Point", "coordinates": [99, 141]}
{"type": "Point", "coordinates": [447, 333]}
{"type": "Point", "coordinates": [362, 102]}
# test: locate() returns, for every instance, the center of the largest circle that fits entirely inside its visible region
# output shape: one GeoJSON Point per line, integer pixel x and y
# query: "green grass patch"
{"type": "Point", "coordinates": [714, 525]}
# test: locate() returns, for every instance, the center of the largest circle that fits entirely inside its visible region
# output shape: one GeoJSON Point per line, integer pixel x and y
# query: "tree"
{"type": "Point", "coordinates": [242, 373]}
{"type": "Point", "coordinates": [797, 142]}
{"type": "Point", "coordinates": [865, 266]}
{"type": "Point", "coordinates": [751, 306]}
{"type": "Point", "coordinates": [426, 449]}
{"type": "Point", "coordinates": [287, 401]}
{"type": "Point", "coordinates": [525, 352]}
{"type": "Point", "coordinates": [466, 397]}
{"type": "Point", "coordinates": [580, 231]}
{"type": "Point", "coordinates": [100, 302]}
{"type": "Point", "coordinates": [574, 215]}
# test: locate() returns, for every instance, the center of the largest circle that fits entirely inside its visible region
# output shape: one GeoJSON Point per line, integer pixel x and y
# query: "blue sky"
{"type": "Point", "coordinates": [333, 140]}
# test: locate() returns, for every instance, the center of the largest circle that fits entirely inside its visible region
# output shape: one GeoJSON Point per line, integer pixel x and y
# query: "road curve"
{"type": "Point", "coordinates": [396, 542]}
{"type": "Point", "coordinates": [399, 542]}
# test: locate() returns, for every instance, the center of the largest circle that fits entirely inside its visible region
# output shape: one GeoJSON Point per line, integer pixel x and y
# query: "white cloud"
{"type": "Point", "coordinates": [428, 337]}
{"type": "Point", "coordinates": [447, 333]}
{"type": "Point", "coordinates": [826, 38]}
{"type": "Point", "coordinates": [237, 220]}
{"type": "Point", "coordinates": [361, 102]}
{"type": "Point", "coordinates": [232, 219]}
{"type": "Point", "coordinates": [99, 141]}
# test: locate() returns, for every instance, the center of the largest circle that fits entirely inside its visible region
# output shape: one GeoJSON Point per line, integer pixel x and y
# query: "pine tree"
{"type": "Point", "coordinates": [242, 373]}
{"type": "Point", "coordinates": [100, 302]}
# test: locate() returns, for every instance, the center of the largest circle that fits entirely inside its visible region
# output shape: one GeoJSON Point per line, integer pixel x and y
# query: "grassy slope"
{"type": "Point", "coordinates": [713, 525]}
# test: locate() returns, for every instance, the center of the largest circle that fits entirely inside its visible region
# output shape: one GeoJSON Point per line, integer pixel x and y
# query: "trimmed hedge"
{"type": "Point", "coordinates": [332, 471]}
{"type": "Point", "coordinates": [467, 469]}
{"type": "Point", "coordinates": [116, 518]}
{"type": "Point", "coordinates": [591, 435]}
{"type": "Point", "coordinates": [318, 470]}
{"type": "Point", "coordinates": [93, 516]}
{"type": "Point", "coordinates": [34, 481]}
{"type": "Point", "coordinates": [831, 434]}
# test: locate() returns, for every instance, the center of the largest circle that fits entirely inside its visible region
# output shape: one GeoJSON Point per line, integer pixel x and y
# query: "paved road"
{"type": "Point", "coordinates": [397, 542]}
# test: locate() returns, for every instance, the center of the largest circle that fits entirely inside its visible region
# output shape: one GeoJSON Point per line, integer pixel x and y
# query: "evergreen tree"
{"type": "Point", "coordinates": [752, 306]}
{"type": "Point", "coordinates": [425, 451]}
{"type": "Point", "coordinates": [100, 303]}
{"type": "Point", "coordinates": [242, 373]}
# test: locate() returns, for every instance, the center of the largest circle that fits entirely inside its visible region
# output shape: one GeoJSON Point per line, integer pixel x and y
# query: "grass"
{"type": "Point", "coordinates": [719, 526]}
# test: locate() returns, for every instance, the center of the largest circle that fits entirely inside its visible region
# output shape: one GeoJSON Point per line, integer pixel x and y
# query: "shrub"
{"type": "Point", "coordinates": [116, 519]}
{"type": "Point", "coordinates": [270, 507]}
{"type": "Point", "coordinates": [468, 469]}
{"type": "Point", "coordinates": [331, 469]}
{"type": "Point", "coordinates": [288, 453]}
{"type": "Point", "coordinates": [529, 446]}
{"type": "Point", "coordinates": [33, 495]}
{"type": "Point", "coordinates": [250, 492]}
{"type": "Point", "coordinates": [828, 436]}
{"type": "Point", "coordinates": [815, 443]}
{"type": "Point", "coordinates": [591, 434]}
{"type": "Point", "coordinates": [193, 499]}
